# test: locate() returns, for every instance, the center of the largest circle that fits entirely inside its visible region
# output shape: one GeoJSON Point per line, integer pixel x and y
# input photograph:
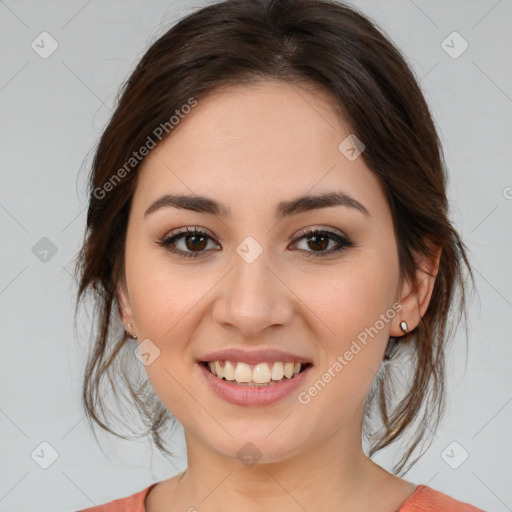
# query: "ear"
{"type": "Point", "coordinates": [124, 307]}
{"type": "Point", "coordinates": [415, 294]}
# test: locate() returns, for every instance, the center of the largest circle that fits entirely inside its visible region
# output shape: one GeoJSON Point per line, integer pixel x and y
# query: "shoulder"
{"type": "Point", "coordinates": [426, 499]}
{"type": "Point", "coordinates": [132, 503]}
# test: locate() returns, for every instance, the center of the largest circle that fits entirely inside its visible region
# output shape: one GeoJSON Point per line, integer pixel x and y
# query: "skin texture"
{"type": "Point", "coordinates": [251, 147]}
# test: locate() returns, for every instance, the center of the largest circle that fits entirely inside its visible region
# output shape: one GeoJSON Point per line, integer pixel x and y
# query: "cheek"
{"type": "Point", "coordinates": [357, 306]}
{"type": "Point", "coordinates": [167, 309]}
{"type": "Point", "coordinates": [358, 315]}
{"type": "Point", "coordinates": [162, 294]}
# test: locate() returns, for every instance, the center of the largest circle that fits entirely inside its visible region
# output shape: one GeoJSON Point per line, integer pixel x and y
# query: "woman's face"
{"type": "Point", "coordinates": [251, 280]}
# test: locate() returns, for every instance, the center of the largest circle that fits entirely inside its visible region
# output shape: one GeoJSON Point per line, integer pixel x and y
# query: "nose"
{"type": "Point", "coordinates": [252, 298]}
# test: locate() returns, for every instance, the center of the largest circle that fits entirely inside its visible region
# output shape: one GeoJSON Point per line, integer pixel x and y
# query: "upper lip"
{"type": "Point", "coordinates": [254, 356]}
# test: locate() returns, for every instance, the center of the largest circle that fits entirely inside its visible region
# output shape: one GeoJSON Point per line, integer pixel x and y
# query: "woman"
{"type": "Point", "coordinates": [268, 219]}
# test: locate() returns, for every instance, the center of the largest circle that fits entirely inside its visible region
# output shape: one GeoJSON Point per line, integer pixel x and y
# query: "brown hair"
{"type": "Point", "coordinates": [318, 42]}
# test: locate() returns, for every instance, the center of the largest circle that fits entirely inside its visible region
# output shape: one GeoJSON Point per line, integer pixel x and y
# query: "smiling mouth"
{"type": "Point", "coordinates": [259, 375]}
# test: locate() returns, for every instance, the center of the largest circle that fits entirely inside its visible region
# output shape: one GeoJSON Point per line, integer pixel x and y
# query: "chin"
{"type": "Point", "coordinates": [251, 447]}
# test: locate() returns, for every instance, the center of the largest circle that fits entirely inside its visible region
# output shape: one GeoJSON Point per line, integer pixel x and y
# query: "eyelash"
{"type": "Point", "coordinates": [343, 241]}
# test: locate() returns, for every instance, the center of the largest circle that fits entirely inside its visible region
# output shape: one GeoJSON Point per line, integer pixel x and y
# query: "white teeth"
{"type": "Point", "coordinates": [277, 371]}
{"type": "Point", "coordinates": [228, 372]}
{"type": "Point", "coordinates": [243, 372]}
{"type": "Point", "coordinates": [261, 373]}
{"type": "Point", "coordinates": [288, 370]}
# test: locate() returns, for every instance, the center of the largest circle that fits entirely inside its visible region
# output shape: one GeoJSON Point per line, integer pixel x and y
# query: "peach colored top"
{"type": "Point", "coordinates": [424, 499]}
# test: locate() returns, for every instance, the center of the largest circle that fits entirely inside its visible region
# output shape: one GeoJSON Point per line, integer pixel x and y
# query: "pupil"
{"type": "Point", "coordinates": [315, 237]}
{"type": "Point", "coordinates": [195, 245]}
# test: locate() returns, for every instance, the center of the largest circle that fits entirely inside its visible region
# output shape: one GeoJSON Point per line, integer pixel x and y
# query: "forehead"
{"type": "Point", "coordinates": [266, 141]}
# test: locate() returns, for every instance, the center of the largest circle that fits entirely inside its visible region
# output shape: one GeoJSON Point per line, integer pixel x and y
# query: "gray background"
{"type": "Point", "coordinates": [52, 112]}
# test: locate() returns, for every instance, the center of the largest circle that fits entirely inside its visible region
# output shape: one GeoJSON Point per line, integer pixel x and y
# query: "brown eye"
{"type": "Point", "coordinates": [194, 242]}
{"type": "Point", "coordinates": [318, 241]}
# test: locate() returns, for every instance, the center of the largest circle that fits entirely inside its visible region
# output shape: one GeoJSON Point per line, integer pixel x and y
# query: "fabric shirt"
{"type": "Point", "coordinates": [424, 499]}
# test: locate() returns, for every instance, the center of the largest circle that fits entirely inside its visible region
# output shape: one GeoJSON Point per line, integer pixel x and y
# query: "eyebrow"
{"type": "Point", "coordinates": [301, 204]}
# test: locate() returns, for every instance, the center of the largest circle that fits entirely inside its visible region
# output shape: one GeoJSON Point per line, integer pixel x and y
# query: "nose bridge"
{"type": "Point", "coordinates": [252, 297]}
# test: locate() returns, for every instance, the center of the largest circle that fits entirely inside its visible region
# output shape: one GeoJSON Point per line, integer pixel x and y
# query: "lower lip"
{"type": "Point", "coordinates": [242, 395]}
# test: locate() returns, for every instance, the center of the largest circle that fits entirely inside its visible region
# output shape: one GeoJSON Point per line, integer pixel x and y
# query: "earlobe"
{"type": "Point", "coordinates": [416, 293]}
{"type": "Point", "coordinates": [125, 311]}
{"type": "Point", "coordinates": [123, 304]}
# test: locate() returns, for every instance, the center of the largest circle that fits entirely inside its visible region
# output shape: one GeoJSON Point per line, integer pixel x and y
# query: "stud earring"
{"type": "Point", "coordinates": [403, 326]}
{"type": "Point", "coordinates": [129, 329]}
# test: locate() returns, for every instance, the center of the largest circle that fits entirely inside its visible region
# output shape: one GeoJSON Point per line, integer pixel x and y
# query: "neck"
{"type": "Point", "coordinates": [337, 472]}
